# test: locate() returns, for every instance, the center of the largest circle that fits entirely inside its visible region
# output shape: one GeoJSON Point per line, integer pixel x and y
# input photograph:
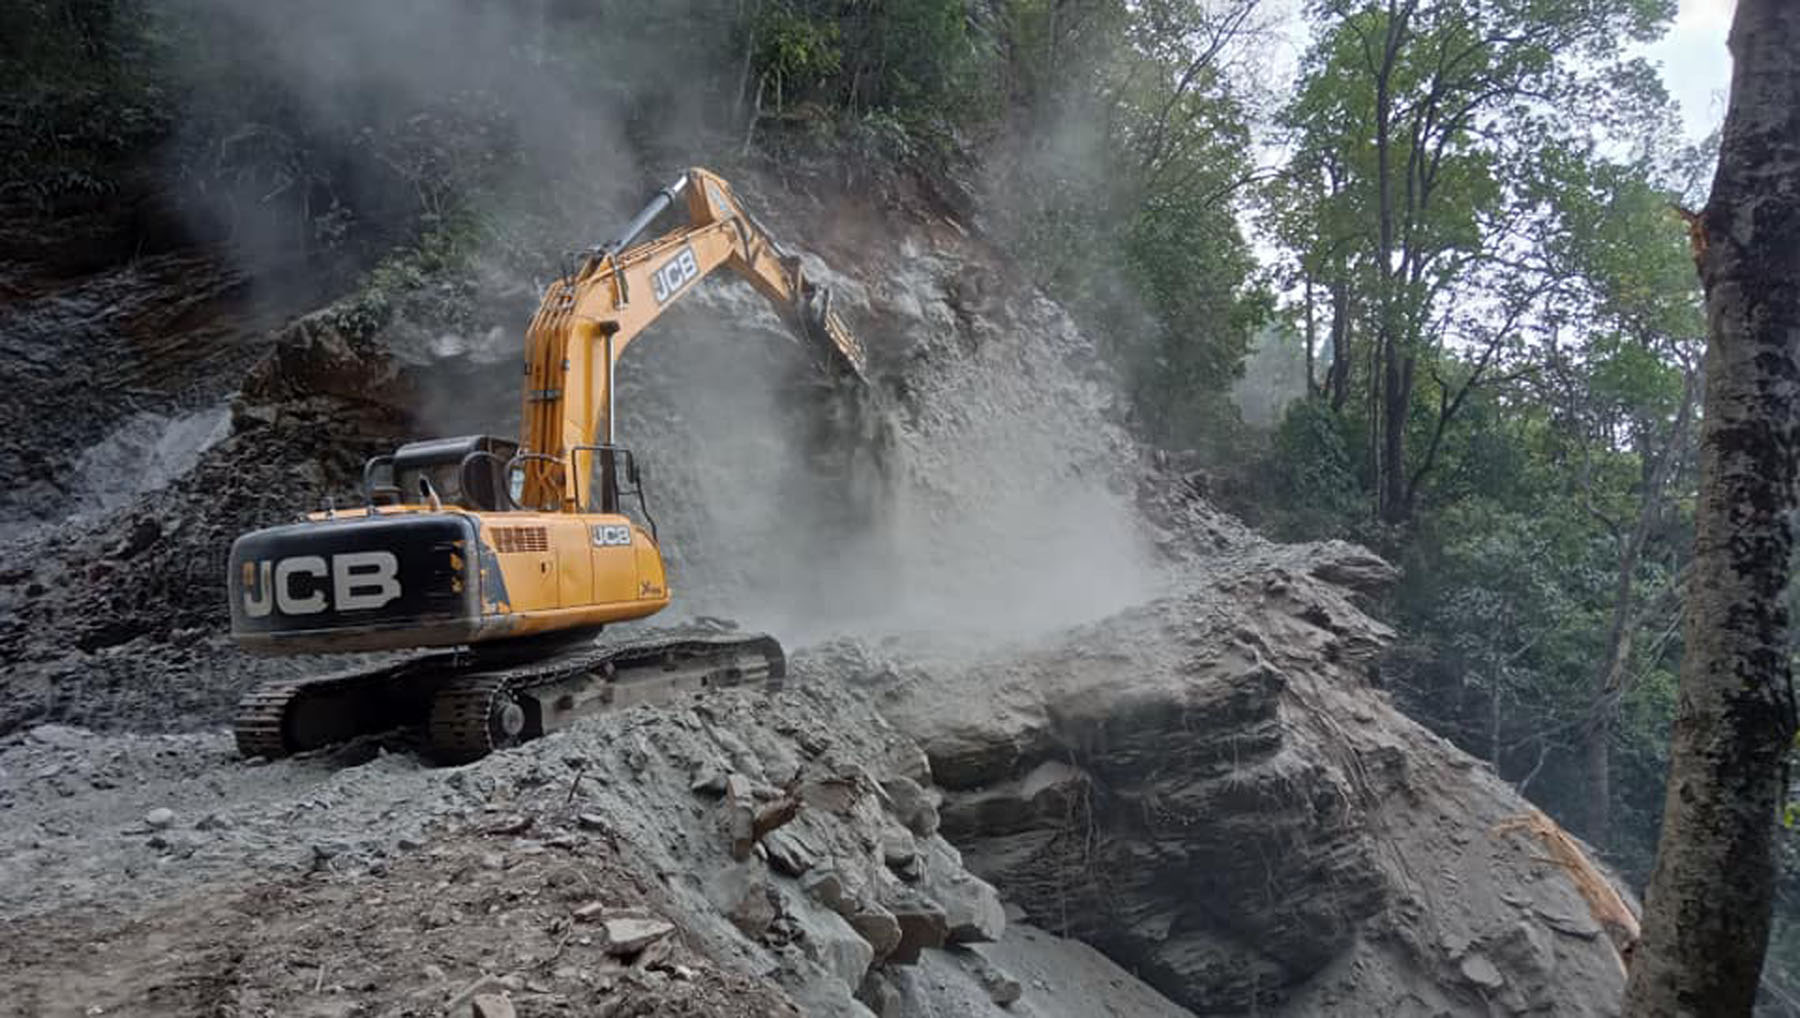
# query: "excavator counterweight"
{"type": "Point", "coordinates": [517, 553]}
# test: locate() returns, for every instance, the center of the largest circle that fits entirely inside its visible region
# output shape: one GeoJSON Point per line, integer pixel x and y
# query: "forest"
{"type": "Point", "coordinates": [1465, 230]}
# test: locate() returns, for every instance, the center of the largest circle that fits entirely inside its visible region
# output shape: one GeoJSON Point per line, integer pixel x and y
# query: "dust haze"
{"type": "Point", "coordinates": [1006, 506]}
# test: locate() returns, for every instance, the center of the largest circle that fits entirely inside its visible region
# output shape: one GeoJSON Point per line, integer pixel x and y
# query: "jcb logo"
{"type": "Point", "coordinates": [674, 274]}
{"type": "Point", "coordinates": [357, 581]}
{"type": "Point", "coordinates": [611, 535]}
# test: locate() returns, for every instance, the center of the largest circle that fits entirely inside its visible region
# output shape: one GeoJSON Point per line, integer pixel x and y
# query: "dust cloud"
{"type": "Point", "coordinates": [1004, 508]}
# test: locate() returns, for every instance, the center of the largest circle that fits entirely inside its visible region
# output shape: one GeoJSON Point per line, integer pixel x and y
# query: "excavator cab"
{"type": "Point", "coordinates": [470, 471]}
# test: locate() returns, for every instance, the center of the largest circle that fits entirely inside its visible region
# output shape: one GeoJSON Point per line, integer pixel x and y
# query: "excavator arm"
{"type": "Point", "coordinates": [587, 319]}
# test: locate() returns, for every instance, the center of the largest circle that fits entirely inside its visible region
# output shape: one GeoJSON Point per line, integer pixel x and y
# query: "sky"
{"type": "Point", "coordinates": [1695, 65]}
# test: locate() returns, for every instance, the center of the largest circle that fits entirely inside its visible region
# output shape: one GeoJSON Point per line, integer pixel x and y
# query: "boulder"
{"type": "Point", "coordinates": [1209, 788]}
{"type": "Point", "coordinates": [830, 941]}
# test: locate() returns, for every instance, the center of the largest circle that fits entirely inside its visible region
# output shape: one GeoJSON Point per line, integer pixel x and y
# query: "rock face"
{"type": "Point", "coordinates": [1208, 789]}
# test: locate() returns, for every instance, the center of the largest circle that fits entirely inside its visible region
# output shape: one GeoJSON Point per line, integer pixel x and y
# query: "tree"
{"type": "Point", "coordinates": [1413, 121]}
{"type": "Point", "coordinates": [1707, 920]}
{"type": "Point", "coordinates": [1625, 391]}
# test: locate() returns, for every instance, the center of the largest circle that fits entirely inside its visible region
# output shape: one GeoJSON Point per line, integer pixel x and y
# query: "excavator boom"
{"type": "Point", "coordinates": [587, 319]}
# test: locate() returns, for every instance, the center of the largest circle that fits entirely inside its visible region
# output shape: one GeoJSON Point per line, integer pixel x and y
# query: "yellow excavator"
{"type": "Point", "coordinates": [516, 554]}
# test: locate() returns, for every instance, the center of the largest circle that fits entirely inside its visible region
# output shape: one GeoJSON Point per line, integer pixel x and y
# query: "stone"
{"type": "Point", "coordinates": [972, 906]}
{"type": "Point", "coordinates": [1525, 949]}
{"type": "Point", "coordinates": [827, 888]}
{"type": "Point", "coordinates": [878, 994]}
{"type": "Point", "coordinates": [1477, 969]}
{"type": "Point", "coordinates": [741, 893]}
{"type": "Point", "coordinates": [898, 848]}
{"type": "Point", "coordinates": [708, 781]}
{"type": "Point", "coordinates": [491, 1005]}
{"type": "Point", "coordinates": [879, 927]}
{"type": "Point", "coordinates": [738, 816]}
{"type": "Point", "coordinates": [159, 818]}
{"type": "Point", "coordinates": [627, 935]}
{"type": "Point", "coordinates": [1001, 988]}
{"type": "Point", "coordinates": [922, 924]}
{"type": "Point", "coordinates": [791, 852]}
{"type": "Point", "coordinates": [912, 805]}
{"type": "Point", "coordinates": [484, 984]}
{"type": "Point", "coordinates": [516, 824]}
{"type": "Point", "coordinates": [773, 816]}
{"type": "Point", "coordinates": [833, 943]}
{"type": "Point", "coordinates": [59, 736]}
{"type": "Point", "coordinates": [435, 973]}
{"type": "Point", "coordinates": [493, 861]}
{"type": "Point", "coordinates": [833, 795]}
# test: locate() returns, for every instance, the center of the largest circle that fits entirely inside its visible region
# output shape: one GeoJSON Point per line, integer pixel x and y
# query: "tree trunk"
{"type": "Point", "coordinates": [1338, 377]}
{"type": "Point", "coordinates": [1659, 471]}
{"type": "Point", "coordinates": [1706, 926]}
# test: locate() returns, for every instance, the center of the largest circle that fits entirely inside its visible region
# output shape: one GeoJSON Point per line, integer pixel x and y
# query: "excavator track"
{"type": "Point", "coordinates": [468, 708]}
{"type": "Point", "coordinates": [259, 720]}
{"type": "Point", "coordinates": [472, 716]}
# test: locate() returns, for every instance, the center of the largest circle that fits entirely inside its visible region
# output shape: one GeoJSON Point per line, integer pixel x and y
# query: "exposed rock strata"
{"type": "Point", "coordinates": [1209, 790]}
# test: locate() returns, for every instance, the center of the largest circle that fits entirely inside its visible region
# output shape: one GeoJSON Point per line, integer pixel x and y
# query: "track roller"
{"type": "Point", "coordinates": [474, 715]}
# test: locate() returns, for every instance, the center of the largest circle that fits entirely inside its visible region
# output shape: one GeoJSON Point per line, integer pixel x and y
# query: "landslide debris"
{"type": "Point", "coordinates": [594, 871]}
{"type": "Point", "coordinates": [1205, 790]}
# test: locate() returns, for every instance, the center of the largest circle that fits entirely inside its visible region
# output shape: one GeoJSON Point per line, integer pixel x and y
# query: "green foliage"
{"type": "Point", "coordinates": [1317, 485]}
{"type": "Point", "coordinates": [1544, 302]}
{"type": "Point", "coordinates": [795, 48]}
{"type": "Point", "coordinates": [81, 94]}
{"type": "Point", "coordinates": [916, 60]}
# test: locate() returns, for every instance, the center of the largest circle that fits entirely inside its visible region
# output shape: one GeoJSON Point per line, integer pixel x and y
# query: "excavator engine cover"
{"type": "Point", "coordinates": [402, 580]}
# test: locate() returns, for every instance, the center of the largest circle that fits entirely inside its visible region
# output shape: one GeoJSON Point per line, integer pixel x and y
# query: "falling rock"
{"type": "Point", "coordinates": [627, 935]}
{"type": "Point", "coordinates": [879, 927]}
{"type": "Point", "coordinates": [922, 924]}
{"type": "Point", "coordinates": [738, 816]}
{"type": "Point", "coordinates": [159, 818]}
{"type": "Point", "coordinates": [833, 795]}
{"type": "Point", "coordinates": [59, 736]}
{"type": "Point", "coordinates": [775, 815]}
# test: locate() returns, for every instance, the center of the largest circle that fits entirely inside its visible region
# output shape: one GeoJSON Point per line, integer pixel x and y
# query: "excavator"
{"type": "Point", "coordinates": [498, 562]}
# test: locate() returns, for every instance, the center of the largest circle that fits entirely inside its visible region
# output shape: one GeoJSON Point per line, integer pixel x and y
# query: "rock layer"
{"type": "Point", "coordinates": [1209, 789]}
